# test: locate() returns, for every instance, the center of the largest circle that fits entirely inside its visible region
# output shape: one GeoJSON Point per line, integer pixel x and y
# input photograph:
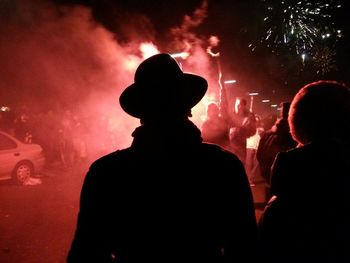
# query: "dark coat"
{"type": "Point", "coordinates": [273, 141]}
{"type": "Point", "coordinates": [309, 220]}
{"type": "Point", "coordinates": [167, 198]}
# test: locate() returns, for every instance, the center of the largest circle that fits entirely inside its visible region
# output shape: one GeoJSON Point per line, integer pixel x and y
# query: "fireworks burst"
{"type": "Point", "coordinates": [324, 61]}
{"type": "Point", "coordinates": [298, 25]}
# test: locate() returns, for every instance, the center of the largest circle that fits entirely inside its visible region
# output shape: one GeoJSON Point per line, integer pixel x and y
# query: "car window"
{"type": "Point", "coordinates": [6, 143]}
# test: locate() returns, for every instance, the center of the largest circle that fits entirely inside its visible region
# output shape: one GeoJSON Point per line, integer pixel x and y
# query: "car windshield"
{"type": "Point", "coordinates": [6, 143]}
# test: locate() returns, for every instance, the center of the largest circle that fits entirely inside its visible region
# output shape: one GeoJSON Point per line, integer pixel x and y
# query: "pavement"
{"type": "Point", "coordinates": [37, 222]}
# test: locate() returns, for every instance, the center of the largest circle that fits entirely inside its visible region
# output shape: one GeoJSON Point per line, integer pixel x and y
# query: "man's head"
{"type": "Point", "coordinates": [240, 106]}
{"type": "Point", "coordinates": [162, 89]}
{"type": "Point", "coordinates": [320, 110]}
{"type": "Point", "coordinates": [285, 105]}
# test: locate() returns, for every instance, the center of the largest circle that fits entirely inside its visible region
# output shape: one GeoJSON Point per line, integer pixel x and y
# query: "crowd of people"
{"type": "Point", "coordinates": [182, 193]}
{"type": "Point", "coordinates": [67, 137]}
{"type": "Point", "coordinates": [173, 197]}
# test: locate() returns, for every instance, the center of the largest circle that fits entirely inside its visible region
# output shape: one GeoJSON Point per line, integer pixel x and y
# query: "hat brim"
{"type": "Point", "coordinates": [190, 89]}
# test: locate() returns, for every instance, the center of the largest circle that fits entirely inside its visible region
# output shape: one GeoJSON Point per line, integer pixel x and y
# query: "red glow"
{"type": "Point", "coordinates": [85, 70]}
{"type": "Point", "coordinates": [182, 55]}
{"type": "Point", "coordinates": [199, 111]}
{"type": "Point", "coordinates": [131, 63]}
{"type": "Point", "coordinates": [148, 49]}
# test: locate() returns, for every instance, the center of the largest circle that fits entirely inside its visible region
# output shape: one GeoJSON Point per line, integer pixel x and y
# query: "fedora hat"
{"type": "Point", "coordinates": [160, 86]}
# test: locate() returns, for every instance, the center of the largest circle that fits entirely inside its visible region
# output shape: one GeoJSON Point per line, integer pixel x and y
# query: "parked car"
{"type": "Point", "coordinates": [19, 161]}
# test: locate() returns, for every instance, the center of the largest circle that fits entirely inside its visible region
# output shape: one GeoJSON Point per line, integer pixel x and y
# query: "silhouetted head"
{"type": "Point", "coordinates": [241, 106]}
{"type": "Point", "coordinates": [320, 110]}
{"type": "Point", "coordinates": [284, 109]}
{"type": "Point", "coordinates": [161, 89]}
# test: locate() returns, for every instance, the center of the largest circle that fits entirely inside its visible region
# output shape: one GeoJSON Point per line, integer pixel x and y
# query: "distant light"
{"type": "Point", "coordinates": [339, 33]}
{"type": "Point", "coordinates": [265, 101]}
{"type": "Point", "coordinates": [274, 105]}
{"type": "Point", "coordinates": [131, 64]}
{"type": "Point", "coordinates": [4, 108]}
{"type": "Point", "coordinates": [303, 56]}
{"type": "Point", "coordinates": [328, 34]}
{"type": "Point", "coordinates": [231, 81]}
{"type": "Point", "coordinates": [323, 36]}
{"type": "Point", "coordinates": [182, 55]}
{"type": "Point", "coordinates": [253, 94]}
{"type": "Point", "coordinates": [148, 49]}
{"type": "Point", "coordinates": [214, 41]}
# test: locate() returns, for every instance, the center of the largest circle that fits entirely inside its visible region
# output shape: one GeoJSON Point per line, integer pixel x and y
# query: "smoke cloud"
{"type": "Point", "coordinates": [58, 58]}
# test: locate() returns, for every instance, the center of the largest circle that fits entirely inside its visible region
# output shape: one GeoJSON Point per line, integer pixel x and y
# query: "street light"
{"type": "Point", "coordinates": [182, 55]}
{"type": "Point", "coordinates": [231, 81]}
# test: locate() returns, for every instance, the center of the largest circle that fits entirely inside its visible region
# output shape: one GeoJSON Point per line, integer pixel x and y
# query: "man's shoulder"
{"type": "Point", "coordinates": [112, 158]}
{"type": "Point", "coordinates": [213, 148]}
{"type": "Point", "coordinates": [219, 153]}
{"type": "Point", "coordinates": [316, 150]}
{"type": "Point", "coordinates": [266, 134]}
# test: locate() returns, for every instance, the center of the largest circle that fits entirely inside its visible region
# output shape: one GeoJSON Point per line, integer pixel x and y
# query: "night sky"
{"type": "Point", "coordinates": [237, 24]}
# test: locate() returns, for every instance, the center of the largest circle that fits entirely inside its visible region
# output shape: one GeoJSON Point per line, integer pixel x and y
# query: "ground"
{"type": "Point", "coordinates": [37, 222]}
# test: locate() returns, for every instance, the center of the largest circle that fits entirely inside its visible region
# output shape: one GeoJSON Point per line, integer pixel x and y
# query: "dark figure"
{"type": "Point", "coordinates": [269, 121]}
{"type": "Point", "coordinates": [244, 126]}
{"type": "Point", "coordinates": [23, 130]}
{"type": "Point", "coordinates": [168, 197]}
{"type": "Point", "coordinates": [308, 219]}
{"type": "Point", "coordinates": [215, 128]}
{"type": "Point", "coordinates": [275, 140]}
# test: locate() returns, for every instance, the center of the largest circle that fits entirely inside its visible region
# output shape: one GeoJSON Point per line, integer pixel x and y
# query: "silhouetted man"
{"type": "Point", "coordinates": [244, 126]}
{"type": "Point", "coordinates": [168, 197]}
{"type": "Point", "coordinates": [308, 218]}
{"type": "Point", "coordinates": [215, 129]}
{"type": "Point", "coordinates": [275, 140]}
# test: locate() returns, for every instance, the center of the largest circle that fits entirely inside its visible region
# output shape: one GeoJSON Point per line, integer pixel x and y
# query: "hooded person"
{"type": "Point", "coordinates": [168, 197]}
{"type": "Point", "coordinates": [308, 219]}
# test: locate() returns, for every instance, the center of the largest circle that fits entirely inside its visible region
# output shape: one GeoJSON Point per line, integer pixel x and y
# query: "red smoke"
{"type": "Point", "coordinates": [57, 58]}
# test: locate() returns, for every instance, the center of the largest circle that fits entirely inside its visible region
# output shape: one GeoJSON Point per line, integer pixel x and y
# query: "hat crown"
{"type": "Point", "coordinates": [158, 69]}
